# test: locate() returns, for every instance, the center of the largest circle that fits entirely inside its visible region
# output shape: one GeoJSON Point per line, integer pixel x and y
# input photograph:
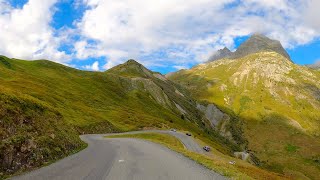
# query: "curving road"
{"type": "Point", "coordinates": [124, 158]}
{"type": "Point", "coordinates": [188, 142]}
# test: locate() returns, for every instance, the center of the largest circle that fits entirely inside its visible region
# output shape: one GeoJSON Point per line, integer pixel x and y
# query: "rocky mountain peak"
{"type": "Point", "coordinates": [220, 54]}
{"type": "Point", "coordinates": [257, 43]}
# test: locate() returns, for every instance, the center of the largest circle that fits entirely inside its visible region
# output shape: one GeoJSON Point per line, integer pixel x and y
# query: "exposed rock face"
{"type": "Point", "coordinates": [242, 155]}
{"type": "Point", "coordinates": [258, 43]}
{"type": "Point", "coordinates": [218, 120]}
{"type": "Point", "coordinates": [247, 156]}
{"type": "Point", "coordinates": [220, 54]}
{"type": "Point", "coordinates": [212, 113]}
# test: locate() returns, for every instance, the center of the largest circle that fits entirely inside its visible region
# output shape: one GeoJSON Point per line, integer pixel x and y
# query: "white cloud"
{"type": "Point", "coordinates": [94, 66]}
{"type": "Point", "coordinates": [141, 27]}
{"type": "Point", "coordinates": [26, 33]}
{"type": "Point", "coordinates": [180, 67]}
{"type": "Point", "coordinates": [158, 33]}
{"type": "Point", "coordinates": [4, 7]}
{"type": "Point", "coordinates": [311, 13]}
{"type": "Point", "coordinates": [189, 30]}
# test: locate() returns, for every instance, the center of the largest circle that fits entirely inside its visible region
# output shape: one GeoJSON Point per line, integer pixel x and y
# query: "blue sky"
{"type": "Point", "coordinates": [163, 35]}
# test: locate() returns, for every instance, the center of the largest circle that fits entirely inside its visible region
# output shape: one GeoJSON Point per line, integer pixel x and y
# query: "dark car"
{"type": "Point", "coordinates": [206, 148]}
{"type": "Point", "coordinates": [188, 134]}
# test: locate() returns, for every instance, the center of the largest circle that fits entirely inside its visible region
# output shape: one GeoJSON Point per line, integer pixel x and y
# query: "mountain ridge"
{"type": "Point", "coordinates": [276, 100]}
{"type": "Point", "coordinates": [220, 54]}
{"type": "Point", "coordinates": [254, 44]}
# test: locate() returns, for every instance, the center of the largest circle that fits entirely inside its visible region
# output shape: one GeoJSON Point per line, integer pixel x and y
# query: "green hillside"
{"type": "Point", "coordinates": [44, 106]}
{"type": "Point", "coordinates": [32, 133]}
{"type": "Point", "coordinates": [277, 101]}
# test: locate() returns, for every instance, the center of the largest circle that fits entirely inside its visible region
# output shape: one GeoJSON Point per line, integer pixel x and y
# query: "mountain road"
{"type": "Point", "coordinates": [125, 158]}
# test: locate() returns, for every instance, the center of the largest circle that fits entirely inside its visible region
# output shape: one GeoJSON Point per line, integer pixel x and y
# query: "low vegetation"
{"type": "Point", "coordinates": [32, 134]}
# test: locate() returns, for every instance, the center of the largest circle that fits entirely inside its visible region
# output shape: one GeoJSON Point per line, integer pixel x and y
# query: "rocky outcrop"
{"type": "Point", "coordinates": [247, 156]}
{"type": "Point", "coordinates": [242, 155]}
{"type": "Point", "coordinates": [212, 113]}
{"type": "Point", "coordinates": [218, 120]}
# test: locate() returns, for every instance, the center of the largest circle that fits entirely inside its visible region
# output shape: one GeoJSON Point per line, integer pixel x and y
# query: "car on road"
{"type": "Point", "coordinates": [188, 134]}
{"type": "Point", "coordinates": [206, 148]}
{"type": "Point", "coordinates": [173, 130]}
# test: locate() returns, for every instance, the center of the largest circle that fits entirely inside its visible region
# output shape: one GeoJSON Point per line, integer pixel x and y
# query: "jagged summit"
{"type": "Point", "coordinates": [256, 43]}
{"type": "Point", "coordinates": [220, 54]}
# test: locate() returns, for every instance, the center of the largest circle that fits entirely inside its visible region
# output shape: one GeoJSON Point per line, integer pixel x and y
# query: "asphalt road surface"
{"type": "Point", "coordinates": [124, 158]}
{"type": "Point", "coordinates": [187, 141]}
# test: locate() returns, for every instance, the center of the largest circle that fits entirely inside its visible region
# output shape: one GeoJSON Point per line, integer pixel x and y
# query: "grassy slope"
{"type": "Point", "coordinates": [278, 101]}
{"type": "Point", "coordinates": [134, 70]}
{"type": "Point", "coordinates": [32, 134]}
{"type": "Point", "coordinates": [215, 160]}
{"type": "Point", "coordinates": [79, 102]}
{"type": "Point", "coordinates": [85, 99]}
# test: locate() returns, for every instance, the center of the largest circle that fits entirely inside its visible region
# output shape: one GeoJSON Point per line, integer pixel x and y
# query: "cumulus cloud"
{"type": "Point", "coordinates": [93, 67]}
{"type": "Point", "coordinates": [311, 13]}
{"type": "Point", "coordinates": [139, 28]}
{"type": "Point", "coordinates": [26, 33]}
{"type": "Point", "coordinates": [175, 33]}
{"type": "Point", "coordinates": [188, 31]}
{"type": "Point", "coordinates": [180, 67]}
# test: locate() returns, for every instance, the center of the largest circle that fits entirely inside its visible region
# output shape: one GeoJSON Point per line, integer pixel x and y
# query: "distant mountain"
{"type": "Point", "coordinates": [316, 65]}
{"type": "Point", "coordinates": [256, 43]}
{"type": "Point", "coordinates": [276, 100]}
{"type": "Point", "coordinates": [220, 54]}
